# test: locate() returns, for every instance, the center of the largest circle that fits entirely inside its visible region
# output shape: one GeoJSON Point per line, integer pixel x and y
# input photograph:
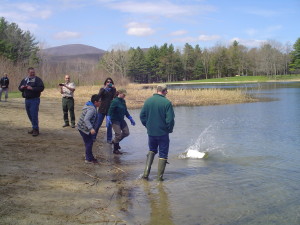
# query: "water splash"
{"type": "Point", "coordinates": [199, 149]}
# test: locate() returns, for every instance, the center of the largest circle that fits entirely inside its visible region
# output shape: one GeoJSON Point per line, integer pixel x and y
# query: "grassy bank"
{"type": "Point", "coordinates": [294, 77]}
{"type": "Point", "coordinates": [137, 94]}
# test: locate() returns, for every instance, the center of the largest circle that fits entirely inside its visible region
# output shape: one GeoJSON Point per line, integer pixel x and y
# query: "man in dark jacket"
{"type": "Point", "coordinates": [157, 116]}
{"type": "Point", "coordinates": [31, 88]}
{"type": "Point", "coordinates": [4, 82]}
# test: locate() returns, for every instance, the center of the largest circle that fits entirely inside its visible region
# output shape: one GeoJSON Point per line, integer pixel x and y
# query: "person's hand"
{"type": "Point", "coordinates": [93, 131]}
{"type": "Point", "coordinates": [29, 88]}
{"type": "Point", "coordinates": [131, 121]}
{"type": "Point", "coordinates": [108, 121]}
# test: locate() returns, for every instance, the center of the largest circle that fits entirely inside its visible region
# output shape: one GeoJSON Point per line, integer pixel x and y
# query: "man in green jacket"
{"type": "Point", "coordinates": [157, 115]}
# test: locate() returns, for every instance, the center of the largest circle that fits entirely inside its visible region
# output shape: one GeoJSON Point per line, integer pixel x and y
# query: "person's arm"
{"type": "Point", "coordinates": [71, 87]}
{"type": "Point", "coordinates": [61, 89]}
{"type": "Point", "coordinates": [143, 116]}
{"type": "Point", "coordinates": [87, 119]}
{"type": "Point", "coordinates": [170, 118]}
{"type": "Point", "coordinates": [21, 86]}
{"type": "Point", "coordinates": [101, 91]}
{"type": "Point", "coordinates": [112, 107]}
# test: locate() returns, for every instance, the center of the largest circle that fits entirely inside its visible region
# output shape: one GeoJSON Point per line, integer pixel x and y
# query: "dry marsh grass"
{"type": "Point", "coordinates": [137, 94]}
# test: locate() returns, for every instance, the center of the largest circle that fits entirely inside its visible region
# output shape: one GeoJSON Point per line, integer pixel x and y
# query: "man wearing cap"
{"type": "Point", "coordinates": [115, 116]}
{"type": "Point", "coordinates": [157, 115]}
{"type": "Point", "coordinates": [67, 91]}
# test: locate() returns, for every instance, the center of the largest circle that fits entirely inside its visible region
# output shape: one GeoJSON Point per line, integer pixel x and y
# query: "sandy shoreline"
{"type": "Point", "coordinates": [44, 179]}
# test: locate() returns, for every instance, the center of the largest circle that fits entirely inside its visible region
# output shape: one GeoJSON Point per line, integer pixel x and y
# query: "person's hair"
{"type": "Point", "coordinates": [30, 68]}
{"type": "Point", "coordinates": [95, 98]}
{"type": "Point", "coordinates": [109, 79]}
{"type": "Point", "coordinates": [161, 87]}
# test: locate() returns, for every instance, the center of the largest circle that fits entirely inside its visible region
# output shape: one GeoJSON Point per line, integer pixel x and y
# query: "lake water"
{"type": "Point", "coordinates": [252, 173]}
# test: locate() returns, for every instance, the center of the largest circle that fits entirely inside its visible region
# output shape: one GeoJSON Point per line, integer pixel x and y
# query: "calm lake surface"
{"type": "Point", "coordinates": [252, 173]}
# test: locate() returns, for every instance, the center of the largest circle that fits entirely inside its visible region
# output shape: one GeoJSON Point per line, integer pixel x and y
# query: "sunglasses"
{"type": "Point", "coordinates": [108, 82]}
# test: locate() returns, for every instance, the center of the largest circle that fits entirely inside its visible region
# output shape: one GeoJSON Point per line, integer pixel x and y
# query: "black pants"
{"type": "Point", "coordinates": [68, 106]}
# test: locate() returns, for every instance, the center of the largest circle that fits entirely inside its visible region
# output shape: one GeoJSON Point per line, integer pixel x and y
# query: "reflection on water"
{"type": "Point", "coordinates": [160, 212]}
{"type": "Point", "coordinates": [251, 175]}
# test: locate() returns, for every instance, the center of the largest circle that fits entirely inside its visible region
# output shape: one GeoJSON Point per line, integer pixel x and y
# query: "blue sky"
{"type": "Point", "coordinates": [108, 24]}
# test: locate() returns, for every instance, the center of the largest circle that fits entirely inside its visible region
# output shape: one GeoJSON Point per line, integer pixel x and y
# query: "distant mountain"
{"type": "Point", "coordinates": [72, 53]}
{"type": "Point", "coordinates": [73, 49]}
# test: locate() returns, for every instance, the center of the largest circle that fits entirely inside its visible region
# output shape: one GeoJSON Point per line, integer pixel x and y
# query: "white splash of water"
{"type": "Point", "coordinates": [199, 150]}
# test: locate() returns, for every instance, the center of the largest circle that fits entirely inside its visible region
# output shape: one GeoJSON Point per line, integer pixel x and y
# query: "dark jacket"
{"type": "Point", "coordinates": [157, 115]}
{"type": "Point", "coordinates": [106, 96]}
{"type": "Point", "coordinates": [4, 82]}
{"type": "Point", "coordinates": [37, 87]}
{"type": "Point", "coordinates": [118, 109]}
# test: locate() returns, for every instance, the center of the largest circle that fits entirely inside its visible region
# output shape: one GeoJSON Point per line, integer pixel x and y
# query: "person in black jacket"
{"type": "Point", "coordinates": [107, 94]}
{"type": "Point", "coordinates": [31, 88]}
{"type": "Point", "coordinates": [4, 82]}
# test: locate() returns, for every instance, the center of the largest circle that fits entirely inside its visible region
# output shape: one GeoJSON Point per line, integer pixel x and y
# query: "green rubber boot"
{"type": "Point", "coordinates": [161, 168]}
{"type": "Point", "coordinates": [150, 158]}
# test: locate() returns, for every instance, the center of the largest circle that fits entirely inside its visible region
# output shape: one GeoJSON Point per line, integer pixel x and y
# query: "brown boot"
{"type": "Point", "coordinates": [116, 149]}
{"type": "Point", "coordinates": [35, 132]}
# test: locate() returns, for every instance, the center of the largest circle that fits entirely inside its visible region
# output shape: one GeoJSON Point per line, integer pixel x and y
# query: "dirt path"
{"type": "Point", "coordinates": [44, 180]}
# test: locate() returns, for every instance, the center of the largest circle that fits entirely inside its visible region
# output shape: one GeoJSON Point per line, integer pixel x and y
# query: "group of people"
{"type": "Point", "coordinates": [157, 116]}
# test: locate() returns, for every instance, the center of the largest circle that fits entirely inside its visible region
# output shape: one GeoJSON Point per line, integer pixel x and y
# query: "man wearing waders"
{"type": "Point", "coordinates": [157, 116]}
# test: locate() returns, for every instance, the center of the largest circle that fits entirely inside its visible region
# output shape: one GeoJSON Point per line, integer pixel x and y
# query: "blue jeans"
{"type": "Point", "coordinates": [160, 143]}
{"type": "Point", "coordinates": [88, 142]}
{"type": "Point", "coordinates": [32, 109]}
{"type": "Point", "coordinates": [98, 125]}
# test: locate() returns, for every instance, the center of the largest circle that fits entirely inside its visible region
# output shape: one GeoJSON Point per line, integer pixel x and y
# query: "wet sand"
{"type": "Point", "coordinates": [44, 180]}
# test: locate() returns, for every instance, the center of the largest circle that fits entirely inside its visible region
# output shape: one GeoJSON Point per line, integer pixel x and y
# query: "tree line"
{"type": "Point", "coordinates": [166, 64]}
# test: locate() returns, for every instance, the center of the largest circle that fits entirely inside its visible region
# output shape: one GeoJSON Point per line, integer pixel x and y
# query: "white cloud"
{"type": "Point", "coordinates": [204, 38]}
{"type": "Point", "coordinates": [44, 14]}
{"type": "Point", "coordinates": [264, 13]}
{"type": "Point", "coordinates": [248, 42]}
{"type": "Point", "coordinates": [67, 35]}
{"type": "Point", "coordinates": [251, 31]}
{"type": "Point", "coordinates": [209, 37]}
{"type": "Point", "coordinates": [178, 33]}
{"type": "Point", "coordinates": [24, 11]}
{"type": "Point", "coordinates": [274, 28]}
{"type": "Point", "coordinates": [26, 7]}
{"type": "Point", "coordinates": [163, 8]}
{"type": "Point", "coordinates": [14, 16]}
{"type": "Point", "coordinates": [185, 40]}
{"type": "Point", "coordinates": [139, 29]}
{"type": "Point", "coordinates": [28, 26]}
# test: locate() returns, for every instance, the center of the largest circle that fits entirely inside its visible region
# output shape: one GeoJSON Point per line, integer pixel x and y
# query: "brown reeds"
{"type": "Point", "coordinates": [137, 94]}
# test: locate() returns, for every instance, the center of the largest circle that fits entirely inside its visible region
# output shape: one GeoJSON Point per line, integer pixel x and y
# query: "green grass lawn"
{"type": "Point", "coordinates": [246, 79]}
{"type": "Point", "coordinates": [15, 94]}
